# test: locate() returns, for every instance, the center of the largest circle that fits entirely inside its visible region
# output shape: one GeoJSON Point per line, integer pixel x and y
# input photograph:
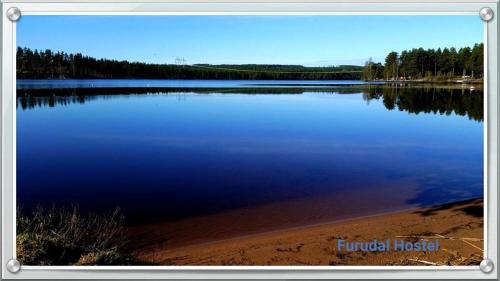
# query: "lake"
{"type": "Point", "coordinates": [165, 150]}
{"type": "Point", "coordinates": [149, 83]}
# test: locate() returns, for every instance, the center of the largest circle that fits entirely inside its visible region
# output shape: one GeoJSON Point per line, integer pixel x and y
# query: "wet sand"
{"type": "Point", "coordinates": [458, 227]}
{"type": "Point", "coordinates": [272, 216]}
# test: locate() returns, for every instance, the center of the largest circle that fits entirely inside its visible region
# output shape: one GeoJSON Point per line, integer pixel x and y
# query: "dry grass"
{"type": "Point", "coordinates": [66, 237]}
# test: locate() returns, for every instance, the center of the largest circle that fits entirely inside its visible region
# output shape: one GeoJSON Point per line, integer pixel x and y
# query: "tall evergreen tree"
{"type": "Point", "coordinates": [391, 66]}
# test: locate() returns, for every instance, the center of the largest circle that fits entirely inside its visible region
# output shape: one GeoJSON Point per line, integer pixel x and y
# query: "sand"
{"type": "Point", "coordinates": [458, 227]}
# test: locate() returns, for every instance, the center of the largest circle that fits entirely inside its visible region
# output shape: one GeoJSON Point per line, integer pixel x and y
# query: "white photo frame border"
{"type": "Point", "coordinates": [256, 7]}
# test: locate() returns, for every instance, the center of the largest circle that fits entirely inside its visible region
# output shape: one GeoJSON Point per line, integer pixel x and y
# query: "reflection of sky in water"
{"type": "Point", "coordinates": [146, 83]}
{"type": "Point", "coordinates": [187, 154]}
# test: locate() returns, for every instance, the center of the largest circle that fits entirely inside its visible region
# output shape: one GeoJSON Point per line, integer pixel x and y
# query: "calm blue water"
{"type": "Point", "coordinates": [104, 83]}
{"type": "Point", "coordinates": [174, 154]}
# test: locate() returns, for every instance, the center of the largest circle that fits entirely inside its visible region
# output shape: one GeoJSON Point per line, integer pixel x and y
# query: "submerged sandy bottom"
{"type": "Point", "coordinates": [216, 240]}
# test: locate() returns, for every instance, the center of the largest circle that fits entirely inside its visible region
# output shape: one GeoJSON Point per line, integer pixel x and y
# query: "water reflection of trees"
{"type": "Point", "coordinates": [33, 98]}
{"type": "Point", "coordinates": [29, 102]}
{"type": "Point", "coordinates": [463, 102]}
{"type": "Point", "coordinates": [444, 100]}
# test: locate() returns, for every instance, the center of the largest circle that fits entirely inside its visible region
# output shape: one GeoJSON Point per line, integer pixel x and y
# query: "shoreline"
{"type": "Point", "coordinates": [269, 217]}
{"type": "Point", "coordinates": [297, 228]}
{"type": "Point", "coordinates": [85, 87]}
{"type": "Point", "coordinates": [459, 82]}
{"type": "Point", "coordinates": [445, 216]}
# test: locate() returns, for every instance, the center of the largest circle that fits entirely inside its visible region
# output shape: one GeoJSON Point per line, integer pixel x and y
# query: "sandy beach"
{"type": "Point", "coordinates": [457, 226]}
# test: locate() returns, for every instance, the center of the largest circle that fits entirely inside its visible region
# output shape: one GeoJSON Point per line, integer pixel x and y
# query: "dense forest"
{"type": "Point", "coordinates": [428, 64]}
{"type": "Point", "coordinates": [415, 64]}
{"type": "Point", "coordinates": [47, 64]}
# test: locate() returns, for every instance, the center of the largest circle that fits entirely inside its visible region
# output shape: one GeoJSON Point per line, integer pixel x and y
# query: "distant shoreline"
{"type": "Point", "coordinates": [93, 87]}
{"type": "Point", "coordinates": [454, 81]}
{"type": "Point", "coordinates": [457, 80]}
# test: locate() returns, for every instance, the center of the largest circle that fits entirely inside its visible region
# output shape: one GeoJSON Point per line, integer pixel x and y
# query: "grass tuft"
{"type": "Point", "coordinates": [66, 237]}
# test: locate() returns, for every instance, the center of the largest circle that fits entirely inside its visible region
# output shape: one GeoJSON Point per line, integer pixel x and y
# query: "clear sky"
{"type": "Point", "coordinates": [307, 40]}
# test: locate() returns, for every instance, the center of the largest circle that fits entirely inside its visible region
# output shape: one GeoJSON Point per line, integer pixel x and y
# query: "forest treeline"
{"type": "Point", "coordinates": [47, 64]}
{"type": "Point", "coordinates": [428, 64]}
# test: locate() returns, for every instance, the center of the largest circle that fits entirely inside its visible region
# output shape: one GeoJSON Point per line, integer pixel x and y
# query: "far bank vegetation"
{"type": "Point", "coordinates": [448, 64]}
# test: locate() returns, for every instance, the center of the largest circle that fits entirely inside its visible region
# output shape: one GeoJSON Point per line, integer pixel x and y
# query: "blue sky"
{"type": "Point", "coordinates": [307, 40]}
